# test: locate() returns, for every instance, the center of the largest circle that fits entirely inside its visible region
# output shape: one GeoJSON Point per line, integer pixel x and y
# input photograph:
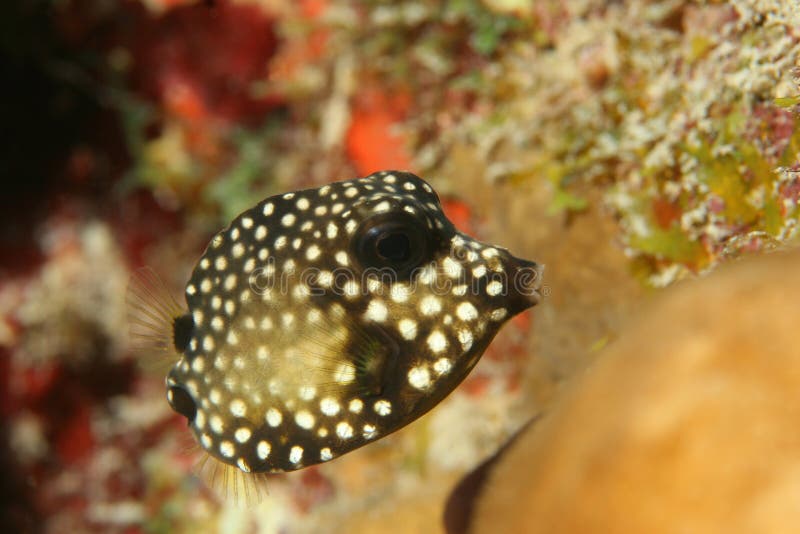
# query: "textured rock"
{"type": "Point", "coordinates": [689, 423]}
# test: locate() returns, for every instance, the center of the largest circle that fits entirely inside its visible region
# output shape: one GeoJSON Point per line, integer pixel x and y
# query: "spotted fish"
{"type": "Point", "coordinates": [321, 320]}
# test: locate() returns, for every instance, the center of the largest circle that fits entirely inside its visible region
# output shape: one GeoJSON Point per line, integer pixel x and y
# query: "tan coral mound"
{"type": "Point", "coordinates": [690, 423]}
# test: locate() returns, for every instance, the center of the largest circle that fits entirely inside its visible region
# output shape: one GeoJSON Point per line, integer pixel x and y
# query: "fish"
{"type": "Point", "coordinates": [321, 320]}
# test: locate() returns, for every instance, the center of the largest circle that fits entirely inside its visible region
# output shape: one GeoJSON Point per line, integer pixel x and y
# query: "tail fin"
{"type": "Point", "coordinates": [230, 483]}
{"type": "Point", "coordinates": [152, 316]}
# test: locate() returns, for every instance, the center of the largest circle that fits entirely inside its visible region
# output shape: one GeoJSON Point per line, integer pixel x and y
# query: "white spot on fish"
{"type": "Point", "coordinates": [329, 406]}
{"type": "Point", "coordinates": [465, 338]}
{"type": "Point", "coordinates": [466, 311]}
{"type": "Point", "coordinates": [382, 407]}
{"type": "Point", "coordinates": [376, 311]}
{"type": "Point", "coordinates": [442, 366]}
{"type": "Point", "coordinates": [304, 419]}
{"type": "Point", "coordinates": [313, 252]}
{"type": "Point", "coordinates": [419, 377]}
{"type": "Point", "coordinates": [407, 328]}
{"type": "Point", "coordinates": [430, 305]}
{"type": "Point", "coordinates": [227, 449]}
{"type": "Point", "coordinates": [274, 417]}
{"type": "Point", "coordinates": [437, 341]}
{"type": "Point", "coordinates": [356, 405]}
{"type": "Point", "coordinates": [494, 288]}
{"type": "Point", "coordinates": [344, 430]}
{"type": "Point", "coordinates": [296, 454]}
{"type": "Point", "coordinates": [242, 434]}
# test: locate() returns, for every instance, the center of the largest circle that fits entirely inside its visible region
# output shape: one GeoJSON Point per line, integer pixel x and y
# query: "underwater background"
{"type": "Point", "coordinates": [626, 145]}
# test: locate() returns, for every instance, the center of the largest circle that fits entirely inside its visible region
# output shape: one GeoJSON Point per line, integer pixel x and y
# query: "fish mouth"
{"type": "Point", "coordinates": [526, 282]}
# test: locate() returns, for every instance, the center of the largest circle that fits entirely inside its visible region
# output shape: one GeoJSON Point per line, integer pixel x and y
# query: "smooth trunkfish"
{"type": "Point", "coordinates": [321, 320]}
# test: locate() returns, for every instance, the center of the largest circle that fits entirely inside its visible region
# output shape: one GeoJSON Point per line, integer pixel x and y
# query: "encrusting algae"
{"type": "Point", "coordinates": [321, 320]}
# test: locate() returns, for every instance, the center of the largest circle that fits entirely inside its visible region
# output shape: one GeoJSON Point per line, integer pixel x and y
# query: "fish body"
{"type": "Point", "coordinates": [321, 320]}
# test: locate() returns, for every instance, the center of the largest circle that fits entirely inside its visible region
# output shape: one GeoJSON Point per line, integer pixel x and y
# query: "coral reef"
{"type": "Point", "coordinates": [687, 132]}
{"type": "Point", "coordinates": [626, 144]}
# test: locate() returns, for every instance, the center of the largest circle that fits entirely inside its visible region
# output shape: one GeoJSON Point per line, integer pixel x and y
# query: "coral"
{"type": "Point", "coordinates": [685, 424]}
{"type": "Point", "coordinates": [560, 128]}
{"type": "Point", "coordinates": [75, 304]}
{"type": "Point", "coordinates": [681, 128]}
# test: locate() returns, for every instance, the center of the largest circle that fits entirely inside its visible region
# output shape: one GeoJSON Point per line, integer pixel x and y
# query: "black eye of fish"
{"type": "Point", "coordinates": [182, 402]}
{"type": "Point", "coordinates": [395, 247]}
{"type": "Point", "coordinates": [397, 241]}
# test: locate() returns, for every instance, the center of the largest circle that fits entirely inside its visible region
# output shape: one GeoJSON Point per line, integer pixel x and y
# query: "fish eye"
{"type": "Point", "coordinates": [393, 246]}
{"type": "Point", "coordinates": [396, 241]}
{"type": "Point", "coordinates": [182, 402]}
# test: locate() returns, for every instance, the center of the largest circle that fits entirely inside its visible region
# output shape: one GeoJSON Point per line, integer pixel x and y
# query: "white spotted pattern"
{"type": "Point", "coordinates": [277, 361]}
